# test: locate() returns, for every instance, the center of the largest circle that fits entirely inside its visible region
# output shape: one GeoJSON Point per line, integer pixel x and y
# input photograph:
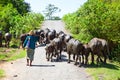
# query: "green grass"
{"type": "Point", "coordinates": [109, 71]}
{"type": "Point", "coordinates": [18, 55]}
{"type": "Point", "coordinates": [10, 55]}
{"type": "Point", "coordinates": [2, 73]}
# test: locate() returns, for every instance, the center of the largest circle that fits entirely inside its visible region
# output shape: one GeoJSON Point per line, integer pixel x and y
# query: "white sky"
{"type": "Point", "coordinates": [66, 6]}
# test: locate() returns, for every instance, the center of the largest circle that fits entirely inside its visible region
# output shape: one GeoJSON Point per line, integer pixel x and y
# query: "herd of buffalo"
{"type": "Point", "coordinates": [58, 41]}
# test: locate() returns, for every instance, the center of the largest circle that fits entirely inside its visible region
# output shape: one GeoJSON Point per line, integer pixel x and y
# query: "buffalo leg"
{"type": "Point", "coordinates": [92, 57]}
{"type": "Point", "coordinates": [51, 56]}
{"type": "Point", "coordinates": [76, 59]}
{"type": "Point", "coordinates": [79, 60]}
{"type": "Point", "coordinates": [69, 57]}
{"type": "Point", "coordinates": [105, 57]}
{"type": "Point", "coordinates": [86, 59]}
{"type": "Point", "coordinates": [60, 53]}
{"type": "Point", "coordinates": [82, 59]}
{"type": "Point", "coordinates": [73, 56]}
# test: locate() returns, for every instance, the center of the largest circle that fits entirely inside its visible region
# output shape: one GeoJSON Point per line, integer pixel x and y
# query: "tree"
{"type": "Point", "coordinates": [7, 15]}
{"type": "Point", "coordinates": [50, 10]}
{"type": "Point", "coordinates": [21, 6]}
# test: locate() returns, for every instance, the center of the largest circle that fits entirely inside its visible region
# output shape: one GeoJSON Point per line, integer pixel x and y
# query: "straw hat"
{"type": "Point", "coordinates": [31, 32]}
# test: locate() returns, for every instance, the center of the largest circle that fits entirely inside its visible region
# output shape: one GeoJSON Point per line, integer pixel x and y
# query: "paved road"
{"type": "Point", "coordinates": [42, 69]}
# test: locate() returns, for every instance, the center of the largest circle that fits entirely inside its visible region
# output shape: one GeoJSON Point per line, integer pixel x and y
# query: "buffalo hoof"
{"type": "Point", "coordinates": [101, 60]}
{"type": "Point", "coordinates": [54, 55]}
{"type": "Point", "coordinates": [92, 63]}
{"type": "Point", "coordinates": [104, 63]}
{"type": "Point", "coordinates": [51, 60]}
{"type": "Point", "coordinates": [75, 63]}
{"type": "Point", "coordinates": [60, 58]}
{"type": "Point", "coordinates": [47, 59]}
{"type": "Point", "coordinates": [85, 64]}
{"type": "Point", "coordinates": [80, 65]}
{"type": "Point", "coordinates": [68, 61]}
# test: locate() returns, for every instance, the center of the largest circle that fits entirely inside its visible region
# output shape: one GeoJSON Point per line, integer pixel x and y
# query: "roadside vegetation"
{"type": "Point", "coordinates": [10, 55]}
{"type": "Point", "coordinates": [98, 18]}
{"type": "Point", "coordinates": [109, 71]}
{"type": "Point", "coordinates": [2, 73]}
{"type": "Point", "coordinates": [16, 18]}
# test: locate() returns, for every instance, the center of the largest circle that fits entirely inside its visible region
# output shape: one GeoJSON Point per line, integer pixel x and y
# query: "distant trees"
{"type": "Point", "coordinates": [50, 10]}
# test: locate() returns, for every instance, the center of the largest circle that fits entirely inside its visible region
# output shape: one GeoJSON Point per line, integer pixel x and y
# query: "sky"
{"type": "Point", "coordinates": [66, 6]}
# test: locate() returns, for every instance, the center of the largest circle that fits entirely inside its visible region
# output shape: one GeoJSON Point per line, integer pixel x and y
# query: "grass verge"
{"type": "Point", "coordinates": [2, 73]}
{"type": "Point", "coordinates": [109, 71]}
{"type": "Point", "coordinates": [10, 55]}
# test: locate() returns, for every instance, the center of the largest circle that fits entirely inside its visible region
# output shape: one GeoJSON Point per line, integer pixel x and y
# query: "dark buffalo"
{"type": "Point", "coordinates": [22, 39]}
{"type": "Point", "coordinates": [85, 53]}
{"type": "Point", "coordinates": [74, 47]}
{"type": "Point", "coordinates": [59, 32]}
{"type": "Point", "coordinates": [46, 31]}
{"type": "Point", "coordinates": [51, 35]}
{"type": "Point", "coordinates": [54, 32]}
{"type": "Point", "coordinates": [40, 34]}
{"type": "Point", "coordinates": [100, 48]}
{"type": "Point", "coordinates": [7, 38]}
{"type": "Point", "coordinates": [66, 39]}
{"type": "Point", "coordinates": [57, 43]}
{"type": "Point", "coordinates": [49, 51]}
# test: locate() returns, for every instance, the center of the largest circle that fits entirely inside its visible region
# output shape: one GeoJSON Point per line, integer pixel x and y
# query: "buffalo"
{"type": "Point", "coordinates": [85, 53]}
{"type": "Point", "coordinates": [7, 38]}
{"type": "Point", "coordinates": [100, 48]}
{"type": "Point", "coordinates": [22, 38]}
{"type": "Point", "coordinates": [57, 43]}
{"type": "Point", "coordinates": [49, 51]}
{"type": "Point", "coordinates": [74, 47]}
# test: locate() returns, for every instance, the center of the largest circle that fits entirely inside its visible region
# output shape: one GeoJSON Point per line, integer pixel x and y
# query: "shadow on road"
{"type": "Point", "coordinates": [43, 66]}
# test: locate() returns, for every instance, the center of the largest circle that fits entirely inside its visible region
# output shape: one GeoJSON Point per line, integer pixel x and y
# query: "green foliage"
{"type": "Point", "coordinates": [11, 21]}
{"type": "Point", "coordinates": [20, 5]}
{"type": "Point", "coordinates": [96, 18]}
{"type": "Point", "coordinates": [116, 53]}
{"type": "Point", "coordinates": [25, 23]}
{"type": "Point", "coordinates": [2, 73]}
{"type": "Point", "coordinates": [7, 14]}
{"type": "Point", "coordinates": [11, 54]}
{"type": "Point", "coordinates": [14, 18]}
{"type": "Point", "coordinates": [105, 71]}
{"type": "Point", "coordinates": [17, 55]}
